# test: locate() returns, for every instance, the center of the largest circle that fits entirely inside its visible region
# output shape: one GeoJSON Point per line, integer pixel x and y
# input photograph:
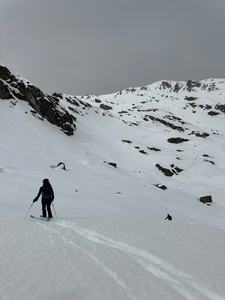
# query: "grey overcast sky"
{"type": "Point", "coordinates": [99, 47]}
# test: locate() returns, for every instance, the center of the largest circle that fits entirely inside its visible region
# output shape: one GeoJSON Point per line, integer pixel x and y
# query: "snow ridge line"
{"type": "Point", "coordinates": [111, 273]}
{"type": "Point", "coordinates": [155, 266]}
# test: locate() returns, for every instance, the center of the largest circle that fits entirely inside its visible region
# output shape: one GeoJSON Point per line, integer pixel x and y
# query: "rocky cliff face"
{"type": "Point", "coordinates": [47, 106]}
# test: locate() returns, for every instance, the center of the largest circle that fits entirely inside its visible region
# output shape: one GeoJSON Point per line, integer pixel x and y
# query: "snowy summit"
{"type": "Point", "coordinates": [118, 165]}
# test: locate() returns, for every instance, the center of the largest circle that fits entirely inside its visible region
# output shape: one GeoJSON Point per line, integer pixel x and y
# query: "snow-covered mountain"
{"type": "Point", "coordinates": [130, 158]}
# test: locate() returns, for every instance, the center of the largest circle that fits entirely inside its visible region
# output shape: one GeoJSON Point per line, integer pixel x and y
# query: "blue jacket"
{"type": "Point", "coordinates": [43, 194]}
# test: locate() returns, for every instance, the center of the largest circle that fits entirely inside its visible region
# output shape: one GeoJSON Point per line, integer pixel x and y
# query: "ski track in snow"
{"type": "Point", "coordinates": [111, 273]}
{"type": "Point", "coordinates": [177, 280]}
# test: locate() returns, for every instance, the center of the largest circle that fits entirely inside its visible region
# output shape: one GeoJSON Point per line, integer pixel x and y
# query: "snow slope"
{"type": "Point", "coordinates": [110, 239]}
{"type": "Point", "coordinates": [87, 257]}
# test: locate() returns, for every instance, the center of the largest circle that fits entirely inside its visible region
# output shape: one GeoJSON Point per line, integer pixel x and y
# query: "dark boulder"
{"type": "Point", "coordinates": [61, 165]}
{"type": "Point", "coordinates": [177, 140]}
{"type": "Point", "coordinates": [161, 186]}
{"type": "Point", "coordinates": [206, 199]}
{"type": "Point", "coordinates": [165, 171]}
{"type": "Point", "coordinates": [112, 164]}
{"type": "Point", "coordinates": [105, 107]}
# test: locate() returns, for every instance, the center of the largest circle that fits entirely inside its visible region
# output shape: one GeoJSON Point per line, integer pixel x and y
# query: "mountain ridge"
{"type": "Point", "coordinates": [166, 135]}
{"type": "Point", "coordinates": [118, 165]}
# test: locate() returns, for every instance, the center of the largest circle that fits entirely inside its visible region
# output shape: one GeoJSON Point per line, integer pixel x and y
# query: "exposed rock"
{"type": "Point", "coordinates": [178, 170]}
{"type": "Point", "coordinates": [220, 107]}
{"type": "Point", "coordinates": [85, 104]}
{"type": "Point", "coordinates": [58, 95]}
{"type": "Point", "coordinates": [168, 124]}
{"type": "Point", "coordinates": [153, 149]}
{"type": "Point", "coordinates": [177, 87]}
{"type": "Point", "coordinates": [177, 140]}
{"type": "Point", "coordinates": [190, 85]}
{"type": "Point", "coordinates": [4, 73]}
{"type": "Point", "coordinates": [74, 102]}
{"type": "Point", "coordinates": [143, 152]}
{"type": "Point", "coordinates": [4, 92]}
{"type": "Point", "coordinates": [165, 85]}
{"type": "Point", "coordinates": [169, 172]}
{"type": "Point", "coordinates": [190, 98]}
{"type": "Point", "coordinates": [61, 165]}
{"type": "Point", "coordinates": [47, 106]}
{"type": "Point", "coordinates": [161, 186]}
{"type": "Point", "coordinates": [210, 161]}
{"type": "Point", "coordinates": [127, 141]}
{"type": "Point", "coordinates": [118, 193]}
{"type": "Point", "coordinates": [123, 112]}
{"type": "Point", "coordinates": [206, 199]}
{"type": "Point", "coordinates": [165, 171]}
{"type": "Point", "coordinates": [199, 134]}
{"type": "Point", "coordinates": [111, 164]}
{"type": "Point", "coordinates": [171, 117]}
{"type": "Point", "coordinates": [213, 113]}
{"type": "Point", "coordinates": [212, 87]}
{"type": "Point", "coordinates": [105, 107]}
{"type": "Point", "coordinates": [193, 104]}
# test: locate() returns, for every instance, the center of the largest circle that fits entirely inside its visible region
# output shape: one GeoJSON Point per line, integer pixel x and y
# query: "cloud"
{"type": "Point", "coordinates": [98, 47]}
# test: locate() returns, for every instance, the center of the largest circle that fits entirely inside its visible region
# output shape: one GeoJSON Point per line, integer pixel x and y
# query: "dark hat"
{"type": "Point", "coordinates": [45, 180]}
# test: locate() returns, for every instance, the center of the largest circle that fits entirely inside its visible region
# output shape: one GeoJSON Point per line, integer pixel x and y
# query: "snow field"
{"type": "Point", "coordinates": [110, 240]}
{"type": "Point", "coordinates": [86, 258]}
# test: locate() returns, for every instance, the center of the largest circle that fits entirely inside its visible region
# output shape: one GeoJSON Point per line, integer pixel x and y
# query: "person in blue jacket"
{"type": "Point", "coordinates": [47, 197]}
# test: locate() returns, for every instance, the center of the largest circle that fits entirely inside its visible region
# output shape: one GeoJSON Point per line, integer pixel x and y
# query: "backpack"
{"type": "Point", "coordinates": [47, 190]}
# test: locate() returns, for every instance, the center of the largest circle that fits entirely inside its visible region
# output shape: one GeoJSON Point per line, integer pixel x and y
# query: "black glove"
{"type": "Point", "coordinates": [35, 199]}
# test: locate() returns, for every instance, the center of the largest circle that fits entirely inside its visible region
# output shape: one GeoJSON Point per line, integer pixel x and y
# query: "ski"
{"type": "Point", "coordinates": [39, 218]}
{"type": "Point", "coordinates": [49, 219]}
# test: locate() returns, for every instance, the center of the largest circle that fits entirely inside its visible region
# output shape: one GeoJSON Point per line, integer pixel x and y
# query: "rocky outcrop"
{"type": "Point", "coordinates": [61, 165]}
{"type": "Point", "coordinates": [177, 140]}
{"type": "Point", "coordinates": [206, 199]}
{"type": "Point", "coordinates": [105, 107]}
{"type": "Point", "coordinates": [165, 171]}
{"type": "Point", "coordinates": [4, 92]}
{"type": "Point", "coordinates": [47, 106]}
{"type": "Point", "coordinates": [169, 172]}
{"type": "Point", "coordinates": [161, 186]}
{"type": "Point", "coordinates": [220, 107]}
{"type": "Point", "coordinates": [111, 164]}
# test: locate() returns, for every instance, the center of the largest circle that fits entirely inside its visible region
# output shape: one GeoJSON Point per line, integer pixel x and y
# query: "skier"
{"type": "Point", "coordinates": [47, 197]}
{"type": "Point", "coordinates": [169, 217]}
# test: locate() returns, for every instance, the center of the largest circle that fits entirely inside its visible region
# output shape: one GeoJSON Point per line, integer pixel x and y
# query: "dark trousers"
{"type": "Point", "coordinates": [46, 203]}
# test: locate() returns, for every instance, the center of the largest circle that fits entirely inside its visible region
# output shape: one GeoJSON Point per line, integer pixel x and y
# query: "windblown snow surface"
{"type": "Point", "coordinates": [110, 239]}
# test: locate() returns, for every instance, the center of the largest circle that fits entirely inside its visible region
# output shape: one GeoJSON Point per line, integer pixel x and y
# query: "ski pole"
{"type": "Point", "coordinates": [29, 210]}
{"type": "Point", "coordinates": [54, 210]}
